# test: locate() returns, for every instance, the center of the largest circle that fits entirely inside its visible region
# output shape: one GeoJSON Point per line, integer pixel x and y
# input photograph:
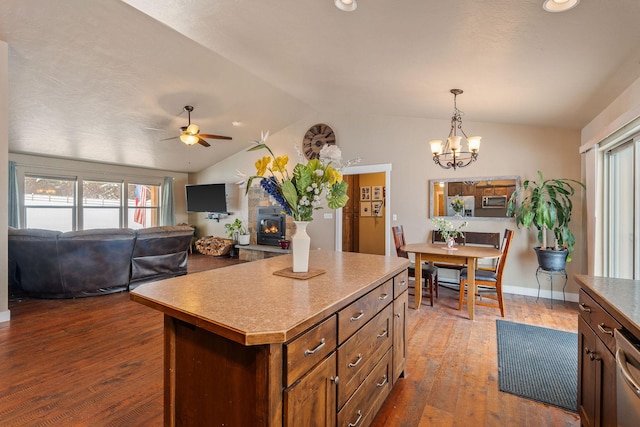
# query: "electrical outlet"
{"type": "Point", "coordinates": [328, 216]}
{"type": "Point", "coordinates": [395, 217]}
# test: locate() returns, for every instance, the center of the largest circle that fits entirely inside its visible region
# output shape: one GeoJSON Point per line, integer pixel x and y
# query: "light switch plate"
{"type": "Point", "coordinates": [328, 216]}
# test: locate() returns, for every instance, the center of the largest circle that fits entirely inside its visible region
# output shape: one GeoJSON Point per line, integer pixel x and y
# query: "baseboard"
{"type": "Point", "coordinates": [517, 290]}
{"type": "Point", "coordinates": [5, 316]}
{"type": "Point", "coordinates": [544, 293]}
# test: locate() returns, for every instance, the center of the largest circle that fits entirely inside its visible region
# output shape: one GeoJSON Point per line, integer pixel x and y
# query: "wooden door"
{"type": "Point", "coordinates": [351, 216]}
{"type": "Point", "coordinates": [311, 402]}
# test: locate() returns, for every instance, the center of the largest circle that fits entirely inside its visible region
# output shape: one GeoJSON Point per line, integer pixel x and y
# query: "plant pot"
{"type": "Point", "coordinates": [244, 239]}
{"type": "Point", "coordinates": [551, 260]}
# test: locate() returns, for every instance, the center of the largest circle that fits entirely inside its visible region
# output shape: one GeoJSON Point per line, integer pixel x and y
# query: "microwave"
{"type": "Point", "coordinates": [494, 201]}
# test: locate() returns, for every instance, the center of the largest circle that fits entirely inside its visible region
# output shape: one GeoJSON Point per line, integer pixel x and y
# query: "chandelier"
{"type": "Point", "coordinates": [450, 155]}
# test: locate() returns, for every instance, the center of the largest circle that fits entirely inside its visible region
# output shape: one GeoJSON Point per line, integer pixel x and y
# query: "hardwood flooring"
{"type": "Point", "coordinates": [98, 362]}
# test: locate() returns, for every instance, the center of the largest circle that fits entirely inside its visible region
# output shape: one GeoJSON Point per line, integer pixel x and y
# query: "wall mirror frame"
{"type": "Point", "coordinates": [477, 199]}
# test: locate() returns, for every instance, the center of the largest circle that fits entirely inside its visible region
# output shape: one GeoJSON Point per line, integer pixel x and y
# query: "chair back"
{"type": "Point", "coordinates": [506, 243]}
{"type": "Point", "coordinates": [398, 237]}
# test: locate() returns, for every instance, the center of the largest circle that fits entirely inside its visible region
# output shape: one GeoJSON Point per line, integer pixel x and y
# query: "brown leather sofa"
{"type": "Point", "coordinates": [51, 264]}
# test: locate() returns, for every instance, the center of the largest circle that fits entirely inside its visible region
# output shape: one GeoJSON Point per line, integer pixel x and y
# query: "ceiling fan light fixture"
{"type": "Point", "coordinates": [346, 5]}
{"type": "Point", "coordinates": [559, 5]}
{"type": "Point", "coordinates": [189, 139]}
{"type": "Point", "coordinates": [193, 129]}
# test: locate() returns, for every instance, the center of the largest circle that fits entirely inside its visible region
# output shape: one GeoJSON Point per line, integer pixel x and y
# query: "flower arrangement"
{"type": "Point", "coordinates": [300, 192]}
{"type": "Point", "coordinates": [457, 204]}
{"type": "Point", "coordinates": [447, 229]}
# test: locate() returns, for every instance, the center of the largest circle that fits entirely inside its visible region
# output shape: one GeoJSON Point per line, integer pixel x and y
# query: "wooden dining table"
{"type": "Point", "coordinates": [463, 254]}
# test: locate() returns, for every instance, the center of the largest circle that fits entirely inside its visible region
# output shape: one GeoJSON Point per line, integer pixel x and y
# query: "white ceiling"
{"type": "Point", "coordinates": [106, 80]}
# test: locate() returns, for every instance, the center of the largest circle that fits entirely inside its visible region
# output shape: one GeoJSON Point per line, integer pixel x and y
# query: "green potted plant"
{"type": "Point", "coordinates": [546, 205]}
{"type": "Point", "coordinates": [237, 231]}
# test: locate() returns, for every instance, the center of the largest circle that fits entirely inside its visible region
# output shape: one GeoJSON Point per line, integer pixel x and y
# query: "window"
{"type": "Point", "coordinates": [71, 203]}
{"type": "Point", "coordinates": [143, 205]}
{"type": "Point", "coordinates": [101, 204]}
{"type": "Point", "coordinates": [50, 203]}
{"type": "Point", "coordinates": [621, 172]}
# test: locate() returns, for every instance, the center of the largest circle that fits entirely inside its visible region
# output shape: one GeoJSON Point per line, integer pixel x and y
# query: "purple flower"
{"type": "Point", "coordinates": [271, 186]}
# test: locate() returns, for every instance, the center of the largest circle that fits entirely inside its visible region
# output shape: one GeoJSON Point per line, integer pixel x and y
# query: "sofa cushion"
{"type": "Point", "coordinates": [96, 261]}
{"type": "Point", "coordinates": [33, 262]}
{"type": "Point", "coordinates": [160, 252]}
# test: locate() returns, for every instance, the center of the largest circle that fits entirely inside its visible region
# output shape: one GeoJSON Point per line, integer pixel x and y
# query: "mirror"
{"type": "Point", "coordinates": [483, 198]}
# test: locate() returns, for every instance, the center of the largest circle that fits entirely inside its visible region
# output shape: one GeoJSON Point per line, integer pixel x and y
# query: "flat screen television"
{"type": "Point", "coordinates": [206, 198]}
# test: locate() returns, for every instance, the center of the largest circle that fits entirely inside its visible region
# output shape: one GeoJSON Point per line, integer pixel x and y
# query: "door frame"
{"type": "Point", "coordinates": [365, 169]}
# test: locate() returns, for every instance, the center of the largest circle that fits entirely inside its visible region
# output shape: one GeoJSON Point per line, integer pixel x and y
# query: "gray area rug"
{"type": "Point", "coordinates": [538, 363]}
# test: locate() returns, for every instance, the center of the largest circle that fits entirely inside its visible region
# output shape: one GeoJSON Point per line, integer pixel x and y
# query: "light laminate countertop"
{"type": "Point", "coordinates": [248, 304]}
{"type": "Point", "coordinates": [621, 296]}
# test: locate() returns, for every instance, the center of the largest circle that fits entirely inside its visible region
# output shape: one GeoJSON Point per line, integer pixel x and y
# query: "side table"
{"type": "Point", "coordinates": [550, 274]}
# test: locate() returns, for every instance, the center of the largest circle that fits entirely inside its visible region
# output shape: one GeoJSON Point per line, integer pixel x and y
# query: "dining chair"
{"type": "Point", "coordinates": [488, 279]}
{"type": "Point", "coordinates": [429, 271]}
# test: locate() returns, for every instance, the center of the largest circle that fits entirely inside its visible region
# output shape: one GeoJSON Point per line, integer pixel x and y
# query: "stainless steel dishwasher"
{"type": "Point", "coordinates": [627, 379]}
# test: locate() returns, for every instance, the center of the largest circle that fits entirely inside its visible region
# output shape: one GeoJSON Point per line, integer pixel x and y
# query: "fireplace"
{"type": "Point", "coordinates": [272, 225]}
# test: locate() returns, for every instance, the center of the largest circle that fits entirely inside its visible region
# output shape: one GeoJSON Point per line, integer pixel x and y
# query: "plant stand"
{"type": "Point", "coordinates": [550, 274]}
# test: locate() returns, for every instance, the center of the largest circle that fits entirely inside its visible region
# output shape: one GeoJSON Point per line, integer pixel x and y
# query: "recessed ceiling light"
{"type": "Point", "coordinates": [236, 123]}
{"type": "Point", "coordinates": [346, 5]}
{"type": "Point", "coordinates": [559, 5]}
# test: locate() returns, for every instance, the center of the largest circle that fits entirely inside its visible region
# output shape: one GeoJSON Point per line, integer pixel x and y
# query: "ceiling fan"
{"type": "Point", "coordinates": [191, 135]}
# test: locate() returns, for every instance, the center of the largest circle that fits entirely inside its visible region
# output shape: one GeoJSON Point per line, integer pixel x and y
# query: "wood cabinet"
{"type": "Point", "coordinates": [333, 364]}
{"type": "Point", "coordinates": [312, 401]}
{"type": "Point", "coordinates": [596, 364]}
{"type": "Point", "coordinates": [400, 312]}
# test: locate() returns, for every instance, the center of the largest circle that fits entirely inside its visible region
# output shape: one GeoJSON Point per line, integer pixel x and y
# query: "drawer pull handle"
{"type": "Point", "coordinates": [315, 350]}
{"type": "Point", "coordinates": [404, 282]}
{"type": "Point", "coordinates": [354, 364]}
{"type": "Point", "coordinates": [584, 308]}
{"type": "Point", "coordinates": [334, 379]}
{"type": "Point", "coordinates": [358, 420]}
{"type": "Point", "coordinates": [604, 330]}
{"type": "Point", "coordinates": [384, 381]}
{"type": "Point", "coordinates": [591, 354]}
{"type": "Point", "coordinates": [383, 297]}
{"type": "Point", "coordinates": [384, 333]}
{"type": "Point", "coordinates": [358, 316]}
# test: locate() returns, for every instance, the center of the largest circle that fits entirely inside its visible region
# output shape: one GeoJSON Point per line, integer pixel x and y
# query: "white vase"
{"type": "Point", "coordinates": [300, 243]}
{"type": "Point", "coordinates": [451, 242]}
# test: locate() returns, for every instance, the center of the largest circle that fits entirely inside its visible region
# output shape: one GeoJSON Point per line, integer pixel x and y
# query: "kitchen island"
{"type": "Point", "coordinates": [246, 347]}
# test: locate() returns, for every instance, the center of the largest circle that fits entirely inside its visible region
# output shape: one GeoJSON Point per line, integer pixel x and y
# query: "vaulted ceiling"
{"type": "Point", "coordinates": [106, 80]}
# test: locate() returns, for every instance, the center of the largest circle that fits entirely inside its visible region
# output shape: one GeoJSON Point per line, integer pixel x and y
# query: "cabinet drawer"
{"type": "Point", "coordinates": [309, 348]}
{"type": "Point", "coordinates": [400, 283]}
{"type": "Point", "coordinates": [359, 354]}
{"type": "Point", "coordinates": [365, 402]}
{"type": "Point", "coordinates": [355, 315]}
{"type": "Point", "coordinates": [598, 319]}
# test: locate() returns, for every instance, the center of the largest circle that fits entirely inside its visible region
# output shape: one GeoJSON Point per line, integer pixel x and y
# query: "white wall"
{"type": "Point", "coordinates": [615, 123]}
{"type": "Point", "coordinates": [4, 171]}
{"type": "Point", "coordinates": [403, 142]}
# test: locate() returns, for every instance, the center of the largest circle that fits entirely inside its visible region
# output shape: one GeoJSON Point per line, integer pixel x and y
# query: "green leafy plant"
{"type": "Point", "coordinates": [546, 205]}
{"type": "Point", "coordinates": [235, 227]}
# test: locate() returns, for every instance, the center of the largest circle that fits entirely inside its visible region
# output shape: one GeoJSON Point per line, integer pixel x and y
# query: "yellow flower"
{"type": "Point", "coordinates": [261, 165]}
{"type": "Point", "coordinates": [280, 163]}
{"type": "Point", "coordinates": [333, 175]}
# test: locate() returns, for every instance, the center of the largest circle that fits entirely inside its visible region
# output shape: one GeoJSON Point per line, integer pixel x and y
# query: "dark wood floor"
{"type": "Point", "coordinates": [98, 362]}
